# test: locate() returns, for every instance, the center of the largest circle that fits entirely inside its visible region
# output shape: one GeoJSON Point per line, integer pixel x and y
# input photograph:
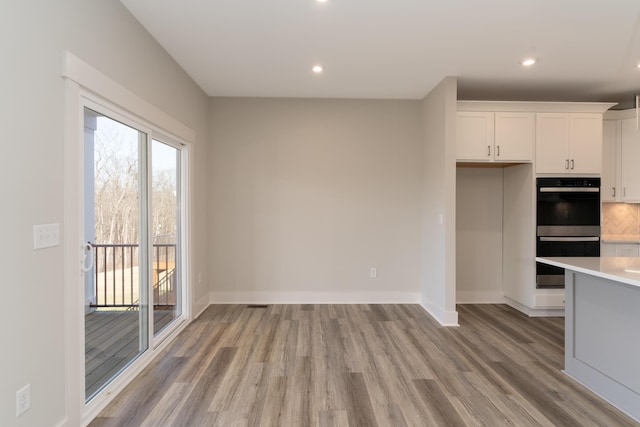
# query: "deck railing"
{"type": "Point", "coordinates": [116, 276]}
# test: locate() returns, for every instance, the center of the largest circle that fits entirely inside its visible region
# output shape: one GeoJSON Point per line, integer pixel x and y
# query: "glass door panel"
{"type": "Point", "coordinates": [165, 213]}
{"type": "Point", "coordinates": [116, 290]}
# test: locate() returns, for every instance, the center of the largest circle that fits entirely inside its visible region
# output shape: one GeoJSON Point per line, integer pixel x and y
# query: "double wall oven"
{"type": "Point", "coordinates": [568, 224]}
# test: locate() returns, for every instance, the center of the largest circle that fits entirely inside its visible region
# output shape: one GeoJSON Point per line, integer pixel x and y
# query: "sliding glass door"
{"type": "Point", "coordinates": [132, 212]}
{"type": "Point", "coordinates": [165, 202]}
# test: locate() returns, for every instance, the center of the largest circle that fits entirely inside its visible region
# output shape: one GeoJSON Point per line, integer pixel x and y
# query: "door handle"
{"type": "Point", "coordinates": [498, 152]}
{"type": "Point", "coordinates": [614, 192]}
{"type": "Point", "coordinates": [570, 239]}
{"type": "Point", "coordinates": [572, 164]}
{"type": "Point", "coordinates": [566, 166]}
{"type": "Point", "coordinates": [569, 190]}
{"type": "Point", "coordinates": [89, 252]}
{"type": "Point", "coordinates": [488, 150]}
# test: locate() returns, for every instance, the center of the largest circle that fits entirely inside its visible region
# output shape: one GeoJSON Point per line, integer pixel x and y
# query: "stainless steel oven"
{"type": "Point", "coordinates": [568, 223]}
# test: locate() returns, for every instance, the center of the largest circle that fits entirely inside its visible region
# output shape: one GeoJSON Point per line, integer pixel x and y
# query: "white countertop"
{"type": "Point", "coordinates": [620, 269]}
{"type": "Point", "coordinates": [620, 238]}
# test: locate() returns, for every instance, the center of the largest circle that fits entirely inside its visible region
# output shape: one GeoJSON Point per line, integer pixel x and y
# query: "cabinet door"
{"type": "Point", "coordinates": [608, 249]}
{"type": "Point", "coordinates": [609, 147]}
{"type": "Point", "coordinates": [585, 146]}
{"type": "Point", "coordinates": [629, 155]}
{"type": "Point", "coordinates": [627, 249]}
{"type": "Point", "coordinates": [514, 136]}
{"type": "Point", "coordinates": [474, 140]}
{"type": "Point", "coordinates": [552, 143]}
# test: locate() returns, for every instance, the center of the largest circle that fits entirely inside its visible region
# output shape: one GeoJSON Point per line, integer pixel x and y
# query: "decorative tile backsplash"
{"type": "Point", "coordinates": [620, 218]}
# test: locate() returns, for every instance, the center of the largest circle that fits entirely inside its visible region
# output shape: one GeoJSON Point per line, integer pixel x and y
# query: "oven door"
{"type": "Point", "coordinates": [568, 206]}
{"type": "Point", "coordinates": [548, 276]}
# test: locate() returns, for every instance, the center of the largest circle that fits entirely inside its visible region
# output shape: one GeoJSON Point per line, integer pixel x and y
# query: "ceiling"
{"type": "Point", "coordinates": [587, 50]}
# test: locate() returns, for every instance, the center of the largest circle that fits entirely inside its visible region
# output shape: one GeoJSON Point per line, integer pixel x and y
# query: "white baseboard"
{"type": "Point", "coordinates": [314, 298]}
{"type": "Point", "coordinates": [535, 312]}
{"type": "Point", "coordinates": [552, 299]}
{"type": "Point", "coordinates": [479, 297]}
{"type": "Point", "coordinates": [201, 305]}
{"type": "Point", "coordinates": [444, 317]}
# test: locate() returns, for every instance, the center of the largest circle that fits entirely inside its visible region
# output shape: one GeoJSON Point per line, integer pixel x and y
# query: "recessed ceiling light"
{"type": "Point", "coordinates": [321, 1]}
{"type": "Point", "coordinates": [638, 66]}
{"type": "Point", "coordinates": [317, 69]}
{"type": "Point", "coordinates": [527, 62]}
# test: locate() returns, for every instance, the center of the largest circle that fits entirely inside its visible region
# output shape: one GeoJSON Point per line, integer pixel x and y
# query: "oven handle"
{"type": "Point", "coordinates": [569, 190]}
{"type": "Point", "coordinates": [570, 239]}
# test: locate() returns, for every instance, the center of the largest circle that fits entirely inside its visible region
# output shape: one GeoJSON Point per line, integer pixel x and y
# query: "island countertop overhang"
{"type": "Point", "coordinates": [620, 269]}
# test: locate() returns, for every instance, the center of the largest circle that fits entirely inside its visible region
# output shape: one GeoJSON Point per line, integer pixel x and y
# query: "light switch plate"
{"type": "Point", "coordinates": [46, 236]}
{"type": "Point", "coordinates": [23, 400]}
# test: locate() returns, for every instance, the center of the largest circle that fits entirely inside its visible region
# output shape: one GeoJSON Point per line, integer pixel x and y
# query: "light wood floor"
{"type": "Point", "coordinates": [360, 365]}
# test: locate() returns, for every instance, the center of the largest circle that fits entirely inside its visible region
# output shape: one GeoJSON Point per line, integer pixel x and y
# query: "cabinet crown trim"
{"type": "Point", "coordinates": [620, 114]}
{"type": "Point", "coordinates": [535, 107]}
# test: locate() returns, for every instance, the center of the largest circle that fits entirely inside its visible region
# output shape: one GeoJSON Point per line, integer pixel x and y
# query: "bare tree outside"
{"type": "Point", "coordinates": [116, 190]}
{"type": "Point", "coordinates": [117, 214]}
{"type": "Point", "coordinates": [164, 211]}
{"type": "Point", "coordinates": [116, 177]}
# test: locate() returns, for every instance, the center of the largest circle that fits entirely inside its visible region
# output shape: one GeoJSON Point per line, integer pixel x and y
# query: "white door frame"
{"type": "Point", "coordinates": [82, 80]}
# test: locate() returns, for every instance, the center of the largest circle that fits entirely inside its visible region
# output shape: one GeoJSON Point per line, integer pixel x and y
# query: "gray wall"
{"type": "Point", "coordinates": [33, 37]}
{"type": "Point", "coordinates": [438, 215]}
{"type": "Point", "coordinates": [479, 235]}
{"type": "Point", "coordinates": [308, 195]}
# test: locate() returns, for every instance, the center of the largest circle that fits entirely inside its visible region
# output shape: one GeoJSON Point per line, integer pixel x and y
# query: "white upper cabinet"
{"type": "Point", "coordinates": [609, 186]}
{"type": "Point", "coordinates": [569, 143]}
{"type": "Point", "coordinates": [552, 142]}
{"type": "Point", "coordinates": [495, 137]}
{"type": "Point", "coordinates": [514, 137]}
{"type": "Point", "coordinates": [585, 144]}
{"type": "Point", "coordinates": [620, 154]}
{"type": "Point", "coordinates": [474, 138]}
{"type": "Point", "coordinates": [629, 165]}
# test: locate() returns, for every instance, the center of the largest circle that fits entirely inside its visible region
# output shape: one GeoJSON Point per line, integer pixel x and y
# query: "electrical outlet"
{"type": "Point", "coordinates": [46, 236]}
{"type": "Point", "coordinates": [373, 272]}
{"type": "Point", "coordinates": [23, 400]}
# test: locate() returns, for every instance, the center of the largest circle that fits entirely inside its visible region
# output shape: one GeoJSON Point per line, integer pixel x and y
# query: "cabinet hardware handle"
{"type": "Point", "coordinates": [614, 192]}
{"type": "Point", "coordinates": [488, 150]}
{"type": "Point", "coordinates": [566, 166]}
{"type": "Point", "coordinates": [498, 152]}
{"type": "Point", "coordinates": [572, 164]}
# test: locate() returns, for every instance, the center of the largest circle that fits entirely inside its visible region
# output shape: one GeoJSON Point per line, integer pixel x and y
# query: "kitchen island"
{"type": "Point", "coordinates": [602, 326]}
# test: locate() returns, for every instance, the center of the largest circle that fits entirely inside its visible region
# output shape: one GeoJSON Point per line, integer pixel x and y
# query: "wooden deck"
{"type": "Point", "coordinates": [112, 342]}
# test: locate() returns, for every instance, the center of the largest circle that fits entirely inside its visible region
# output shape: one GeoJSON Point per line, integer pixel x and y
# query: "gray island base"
{"type": "Point", "coordinates": [602, 327]}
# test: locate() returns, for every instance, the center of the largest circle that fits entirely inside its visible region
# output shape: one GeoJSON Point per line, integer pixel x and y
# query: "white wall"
{"type": "Point", "coordinates": [33, 37]}
{"type": "Point", "coordinates": [519, 235]}
{"type": "Point", "coordinates": [308, 195]}
{"type": "Point", "coordinates": [479, 235]}
{"type": "Point", "coordinates": [438, 215]}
